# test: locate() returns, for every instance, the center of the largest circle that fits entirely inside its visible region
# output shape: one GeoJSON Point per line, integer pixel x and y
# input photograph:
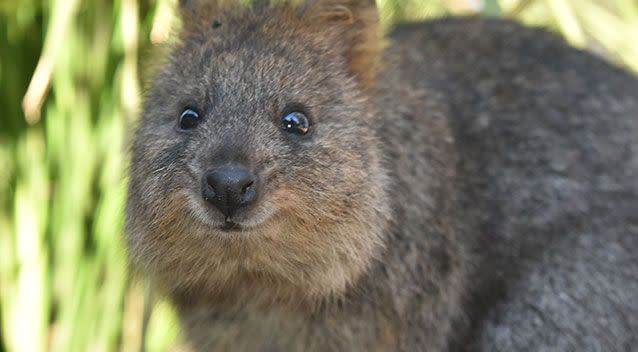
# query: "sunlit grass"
{"type": "Point", "coordinates": [69, 93]}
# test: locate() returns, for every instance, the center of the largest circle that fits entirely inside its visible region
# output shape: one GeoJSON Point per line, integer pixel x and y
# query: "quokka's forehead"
{"type": "Point", "coordinates": [254, 53]}
{"type": "Point", "coordinates": [243, 73]}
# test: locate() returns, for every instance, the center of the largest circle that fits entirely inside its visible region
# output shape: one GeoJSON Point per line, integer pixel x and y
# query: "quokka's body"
{"type": "Point", "coordinates": [298, 184]}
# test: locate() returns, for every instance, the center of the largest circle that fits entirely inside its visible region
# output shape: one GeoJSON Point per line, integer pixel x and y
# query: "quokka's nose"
{"type": "Point", "coordinates": [229, 188]}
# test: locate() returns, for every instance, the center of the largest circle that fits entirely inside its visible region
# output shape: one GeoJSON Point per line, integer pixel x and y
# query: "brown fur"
{"type": "Point", "coordinates": [396, 223]}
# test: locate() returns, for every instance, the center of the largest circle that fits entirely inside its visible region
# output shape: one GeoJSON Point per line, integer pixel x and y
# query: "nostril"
{"type": "Point", "coordinates": [213, 183]}
{"type": "Point", "coordinates": [208, 189]}
{"type": "Point", "coordinates": [246, 188]}
{"type": "Point", "coordinates": [248, 193]}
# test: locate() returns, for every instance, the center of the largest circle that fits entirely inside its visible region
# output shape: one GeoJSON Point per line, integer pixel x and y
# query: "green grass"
{"type": "Point", "coordinates": [64, 282]}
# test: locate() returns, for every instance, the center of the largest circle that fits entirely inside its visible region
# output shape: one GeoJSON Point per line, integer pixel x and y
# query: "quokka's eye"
{"type": "Point", "coordinates": [188, 119]}
{"type": "Point", "coordinates": [295, 122]}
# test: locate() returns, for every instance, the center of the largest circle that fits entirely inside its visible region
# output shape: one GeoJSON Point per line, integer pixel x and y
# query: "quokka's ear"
{"type": "Point", "coordinates": [190, 7]}
{"type": "Point", "coordinates": [203, 12]}
{"type": "Point", "coordinates": [356, 25]}
{"type": "Point", "coordinates": [192, 11]}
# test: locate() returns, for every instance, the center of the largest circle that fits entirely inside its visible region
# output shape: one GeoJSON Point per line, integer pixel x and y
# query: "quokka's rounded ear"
{"type": "Point", "coordinates": [197, 13]}
{"type": "Point", "coordinates": [188, 6]}
{"type": "Point", "coordinates": [356, 24]}
{"type": "Point", "coordinates": [344, 10]}
{"type": "Point", "coordinates": [189, 9]}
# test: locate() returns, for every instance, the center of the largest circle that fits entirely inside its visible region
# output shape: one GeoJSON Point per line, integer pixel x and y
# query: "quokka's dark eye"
{"type": "Point", "coordinates": [188, 119]}
{"type": "Point", "coordinates": [295, 122]}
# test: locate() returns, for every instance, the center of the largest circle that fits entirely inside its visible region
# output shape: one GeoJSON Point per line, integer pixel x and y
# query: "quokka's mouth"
{"type": "Point", "coordinates": [231, 226]}
{"type": "Point", "coordinates": [245, 220]}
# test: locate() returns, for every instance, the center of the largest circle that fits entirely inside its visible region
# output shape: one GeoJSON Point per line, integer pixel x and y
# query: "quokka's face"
{"type": "Point", "coordinates": [253, 136]}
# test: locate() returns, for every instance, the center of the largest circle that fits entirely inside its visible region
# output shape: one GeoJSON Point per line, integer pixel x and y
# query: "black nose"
{"type": "Point", "coordinates": [229, 188]}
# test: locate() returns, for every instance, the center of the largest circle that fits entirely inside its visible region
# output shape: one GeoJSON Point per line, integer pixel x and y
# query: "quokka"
{"type": "Point", "coordinates": [301, 183]}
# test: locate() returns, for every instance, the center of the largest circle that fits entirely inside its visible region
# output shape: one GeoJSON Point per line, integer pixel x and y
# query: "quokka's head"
{"type": "Point", "coordinates": [256, 169]}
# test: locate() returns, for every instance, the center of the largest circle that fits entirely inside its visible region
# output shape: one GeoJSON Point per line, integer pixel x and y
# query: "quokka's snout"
{"type": "Point", "coordinates": [230, 188]}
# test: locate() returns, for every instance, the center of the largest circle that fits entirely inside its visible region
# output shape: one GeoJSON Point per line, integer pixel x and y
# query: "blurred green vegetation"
{"type": "Point", "coordinates": [69, 93]}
